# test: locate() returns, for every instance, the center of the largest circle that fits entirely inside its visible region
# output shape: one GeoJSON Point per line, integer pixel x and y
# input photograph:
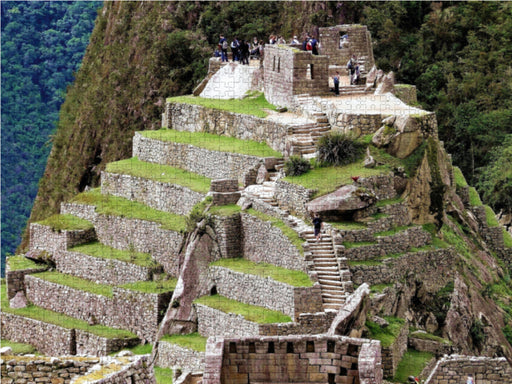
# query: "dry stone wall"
{"type": "Point", "coordinates": [158, 195]}
{"type": "Point", "coordinates": [298, 359]}
{"type": "Point", "coordinates": [16, 280]}
{"type": "Point", "coordinates": [392, 355]}
{"type": "Point", "coordinates": [263, 242]}
{"type": "Point", "coordinates": [175, 356]}
{"type": "Point", "coordinates": [136, 311]}
{"type": "Point", "coordinates": [455, 369]}
{"type": "Point", "coordinates": [229, 235]}
{"type": "Point", "coordinates": [435, 347]}
{"type": "Point", "coordinates": [265, 292]}
{"type": "Point", "coordinates": [212, 322]}
{"type": "Point", "coordinates": [42, 237]}
{"type": "Point", "coordinates": [293, 197]}
{"type": "Point", "coordinates": [101, 271]}
{"type": "Point", "coordinates": [429, 265]}
{"type": "Point", "coordinates": [212, 164]}
{"type": "Point", "coordinates": [195, 118]}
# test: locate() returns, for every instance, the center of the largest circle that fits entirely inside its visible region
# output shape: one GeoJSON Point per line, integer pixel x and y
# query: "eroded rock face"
{"type": "Point", "coordinates": [18, 301]}
{"type": "Point", "coordinates": [346, 199]}
{"type": "Point", "coordinates": [401, 135]}
{"type": "Point", "coordinates": [385, 84]}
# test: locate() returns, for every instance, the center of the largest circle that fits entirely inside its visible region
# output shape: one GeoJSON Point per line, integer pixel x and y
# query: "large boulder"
{"type": "Point", "coordinates": [385, 84]}
{"type": "Point", "coordinates": [346, 199]}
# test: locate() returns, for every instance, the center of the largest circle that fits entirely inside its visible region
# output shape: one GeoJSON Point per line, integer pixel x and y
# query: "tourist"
{"type": "Point", "coordinates": [295, 40]}
{"type": "Point", "coordinates": [223, 45]}
{"type": "Point", "coordinates": [314, 46]}
{"type": "Point", "coordinates": [235, 49]}
{"type": "Point", "coordinates": [470, 379]}
{"type": "Point", "coordinates": [318, 225]}
{"type": "Point", "coordinates": [244, 52]}
{"type": "Point", "coordinates": [272, 39]}
{"type": "Point", "coordinates": [305, 42]}
{"type": "Point", "coordinates": [336, 80]}
{"type": "Point", "coordinates": [351, 66]}
{"type": "Point", "coordinates": [255, 48]}
{"type": "Point", "coordinates": [280, 40]}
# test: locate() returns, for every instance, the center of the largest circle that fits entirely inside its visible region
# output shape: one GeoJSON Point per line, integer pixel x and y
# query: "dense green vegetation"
{"type": "Point", "coordinates": [386, 335]}
{"type": "Point", "coordinates": [412, 363]}
{"type": "Point", "coordinates": [42, 46]}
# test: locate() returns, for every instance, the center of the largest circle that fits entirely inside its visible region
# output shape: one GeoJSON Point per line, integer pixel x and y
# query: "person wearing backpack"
{"type": "Point", "coordinates": [223, 45]}
{"type": "Point", "coordinates": [235, 49]}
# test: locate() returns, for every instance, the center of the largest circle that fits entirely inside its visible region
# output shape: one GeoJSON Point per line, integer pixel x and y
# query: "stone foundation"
{"type": "Point", "coordinates": [392, 355]}
{"type": "Point", "coordinates": [174, 356]}
{"type": "Point", "coordinates": [42, 237]}
{"type": "Point", "coordinates": [212, 322]}
{"type": "Point", "coordinates": [16, 280]}
{"type": "Point", "coordinates": [293, 197]}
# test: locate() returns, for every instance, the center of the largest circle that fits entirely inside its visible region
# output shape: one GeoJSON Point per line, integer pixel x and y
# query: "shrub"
{"type": "Point", "coordinates": [338, 149]}
{"type": "Point", "coordinates": [296, 166]}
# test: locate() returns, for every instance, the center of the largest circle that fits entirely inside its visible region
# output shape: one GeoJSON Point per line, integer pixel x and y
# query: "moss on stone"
{"type": "Point", "coordinates": [66, 222]}
{"type": "Point", "coordinates": [19, 262]}
{"type": "Point", "coordinates": [103, 251]}
{"type": "Point", "coordinates": [474, 198]}
{"type": "Point", "coordinates": [386, 335]}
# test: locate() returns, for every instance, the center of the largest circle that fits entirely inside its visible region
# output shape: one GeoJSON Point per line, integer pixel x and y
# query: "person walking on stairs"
{"type": "Point", "coordinates": [318, 225]}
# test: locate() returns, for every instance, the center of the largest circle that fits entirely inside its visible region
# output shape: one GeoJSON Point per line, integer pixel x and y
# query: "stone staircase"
{"type": "Point", "coordinates": [335, 283]}
{"type": "Point", "coordinates": [266, 190]}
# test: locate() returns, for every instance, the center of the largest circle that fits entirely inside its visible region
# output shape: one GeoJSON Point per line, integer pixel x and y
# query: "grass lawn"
{"type": "Point", "coordinates": [141, 349]}
{"type": "Point", "coordinates": [102, 251]}
{"type": "Point", "coordinates": [507, 238]}
{"type": "Point", "coordinates": [288, 276]}
{"type": "Point", "coordinates": [192, 341]}
{"type": "Point", "coordinates": [66, 222]}
{"type": "Point", "coordinates": [460, 180]}
{"type": "Point", "coordinates": [492, 221]}
{"type": "Point", "coordinates": [386, 335]}
{"type": "Point", "coordinates": [287, 231]}
{"type": "Point", "coordinates": [349, 244]}
{"type": "Point", "coordinates": [118, 206]}
{"type": "Point", "coordinates": [428, 336]}
{"type": "Point", "coordinates": [76, 283]}
{"type": "Point", "coordinates": [159, 286]}
{"type": "Point", "coordinates": [19, 262]}
{"type": "Point", "coordinates": [474, 198]}
{"type": "Point", "coordinates": [378, 288]}
{"type": "Point", "coordinates": [213, 142]}
{"type": "Point", "coordinates": [392, 231]}
{"type": "Point", "coordinates": [253, 313]}
{"type": "Point", "coordinates": [161, 173]}
{"type": "Point", "coordinates": [163, 375]}
{"type": "Point", "coordinates": [348, 225]}
{"type": "Point", "coordinates": [254, 105]}
{"type": "Point", "coordinates": [325, 180]}
{"type": "Point", "coordinates": [224, 210]}
{"type": "Point", "coordinates": [18, 348]}
{"type": "Point", "coordinates": [47, 316]}
{"type": "Point", "coordinates": [412, 364]}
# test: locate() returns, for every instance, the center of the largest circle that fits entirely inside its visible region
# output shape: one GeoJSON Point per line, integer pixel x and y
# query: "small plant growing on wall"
{"type": "Point", "coordinates": [337, 148]}
{"type": "Point", "coordinates": [296, 166]}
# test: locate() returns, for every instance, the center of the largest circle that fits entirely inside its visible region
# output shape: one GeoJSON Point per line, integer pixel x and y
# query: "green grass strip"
{"type": "Point", "coordinates": [474, 198]}
{"type": "Point", "coordinates": [213, 142]}
{"type": "Point", "coordinates": [386, 335]}
{"type": "Point", "coordinates": [47, 316]}
{"type": "Point", "coordinates": [252, 313]}
{"type": "Point", "coordinates": [287, 231]}
{"type": "Point", "coordinates": [18, 348]}
{"type": "Point", "coordinates": [19, 262]}
{"type": "Point", "coordinates": [368, 263]}
{"type": "Point", "coordinates": [349, 244]}
{"type": "Point", "coordinates": [118, 206]}
{"type": "Point", "coordinates": [429, 336]}
{"type": "Point", "coordinates": [412, 363]}
{"type": "Point", "coordinates": [66, 222]}
{"type": "Point", "coordinates": [161, 173]}
{"type": "Point", "coordinates": [325, 180]}
{"type": "Point", "coordinates": [154, 286]}
{"type": "Point", "coordinates": [75, 282]}
{"type": "Point", "coordinates": [140, 349]}
{"type": "Point", "coordinates": [460, 180]}
{"type": "Point", "coordinates": [163, 375]}
{"type": "Point", "coordinates": [348, 225]}
{"type": "Point", "coordinates": [392, 231]}
{"type": "Point", "coordinates": [287, 276]}
{"type": "Point", "coordinates": [254, 105]}
{"type": "Point", "coordinates": [378, 288]}
{"type": "Point", "coordinates": [191, 341]}
{"type": "Point", "coordinates": [507, 238]}
{"type": "Point", "coordinates": [102, 251]}
{"type": "Point", "coordinates": [383, 203]}
{"type": "Point", "coordinates": [492, 221]}
{"type": "Point", "coordinates": [224, 210]}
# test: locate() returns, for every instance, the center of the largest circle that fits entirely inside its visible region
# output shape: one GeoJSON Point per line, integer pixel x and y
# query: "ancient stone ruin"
{"type": "Point", "coordinates": [169, 250]}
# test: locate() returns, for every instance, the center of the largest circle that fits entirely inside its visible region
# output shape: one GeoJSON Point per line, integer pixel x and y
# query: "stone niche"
{"type": "Point", "coordinates": [290, 72]}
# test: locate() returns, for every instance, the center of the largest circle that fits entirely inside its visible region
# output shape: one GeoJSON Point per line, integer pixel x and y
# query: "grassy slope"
{"type": "Point", "coordinates": [97, 249]}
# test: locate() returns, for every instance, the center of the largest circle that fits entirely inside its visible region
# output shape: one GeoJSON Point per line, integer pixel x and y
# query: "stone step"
{"type": "Point", "coordinates": [333, 301]}
{"type": "Point", "coordinates": [330, 283]}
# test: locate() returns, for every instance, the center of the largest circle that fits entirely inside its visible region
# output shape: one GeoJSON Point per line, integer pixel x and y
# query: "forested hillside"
{"type": "Point", "coordinates": [42, 46]}
{"type": "Point", "coordinates": [458, 54]}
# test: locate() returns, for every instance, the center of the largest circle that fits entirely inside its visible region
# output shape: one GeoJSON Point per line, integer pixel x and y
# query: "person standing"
{"type": "Point", "coordinates": [336, 80]}
{"type": "Point", "coordinates": [244, 52]}
{"type": "Point", "coordinates": [314, 46]}
{"type": "Point", "coordinates": [223, 45]}
{"type": "Point", "coordinates": [318, 225]}
{"type": "Point", "coordinates": [235, 49]}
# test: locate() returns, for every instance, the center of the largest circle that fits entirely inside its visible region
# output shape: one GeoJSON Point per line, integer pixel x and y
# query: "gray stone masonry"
{"type": "Point", "coordinates": [297, 359]}
{"type": "Point", "coordinates": [212, 322]}
{"type": "Point", "coordinates": [359, 43]}
{"type": "Point", "coordinates": [229, 235]}
{"type": "Point", "coordinates": [42, 237]}
{"type": "Point", "coordinates": [67, 370]}
{"type": "Point", "coordinates": [175, 356]}
{"type": "Point", "coordinates": [212, 164]}
{"type": "Point", "coordinates": [406, 92]}
{"type": "Point", "coordinates": [290, 72]}
{"type": "Point", "coordinates": [195, 118]}
{"type": "Point", "coordinates": [265, 292]}
{"type": "Point", "coordinates": [54, 340]}
{"type": "Point", "coordinates": [101, 271]}
{"type": "Point", "coordinates": [136, 311]}
{"type": "Point", "coordinates": [158, 195]}
{"type": "Point", "coordinates": [432, 346]}
{"type": "Point", "coordinates": [16, 280]}
{"type": "Point", "coordinates": [263, 242]}
{"type": "Point", "coordinates": [292, 197]}
{"type": "Point", "coordinates": [381, 186]}
{"type": "Point", "coordinates": [455, 370]}
{"type": "Point", "coordinates": [392, 355]}
{"type": "Point", "coordinates": [426, 265]}
{"type": "Point", "coordinates": [387, 245]}
{"type": "Point", "coordinates": [307, 324]}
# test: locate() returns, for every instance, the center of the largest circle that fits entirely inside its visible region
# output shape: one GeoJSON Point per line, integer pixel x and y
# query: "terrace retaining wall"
{"type": "Point", "coordinates": [175, 356]}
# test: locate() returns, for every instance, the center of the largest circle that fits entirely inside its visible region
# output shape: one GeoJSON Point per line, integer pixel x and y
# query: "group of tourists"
{"type": "Point", "coordinates": [241, 50]}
